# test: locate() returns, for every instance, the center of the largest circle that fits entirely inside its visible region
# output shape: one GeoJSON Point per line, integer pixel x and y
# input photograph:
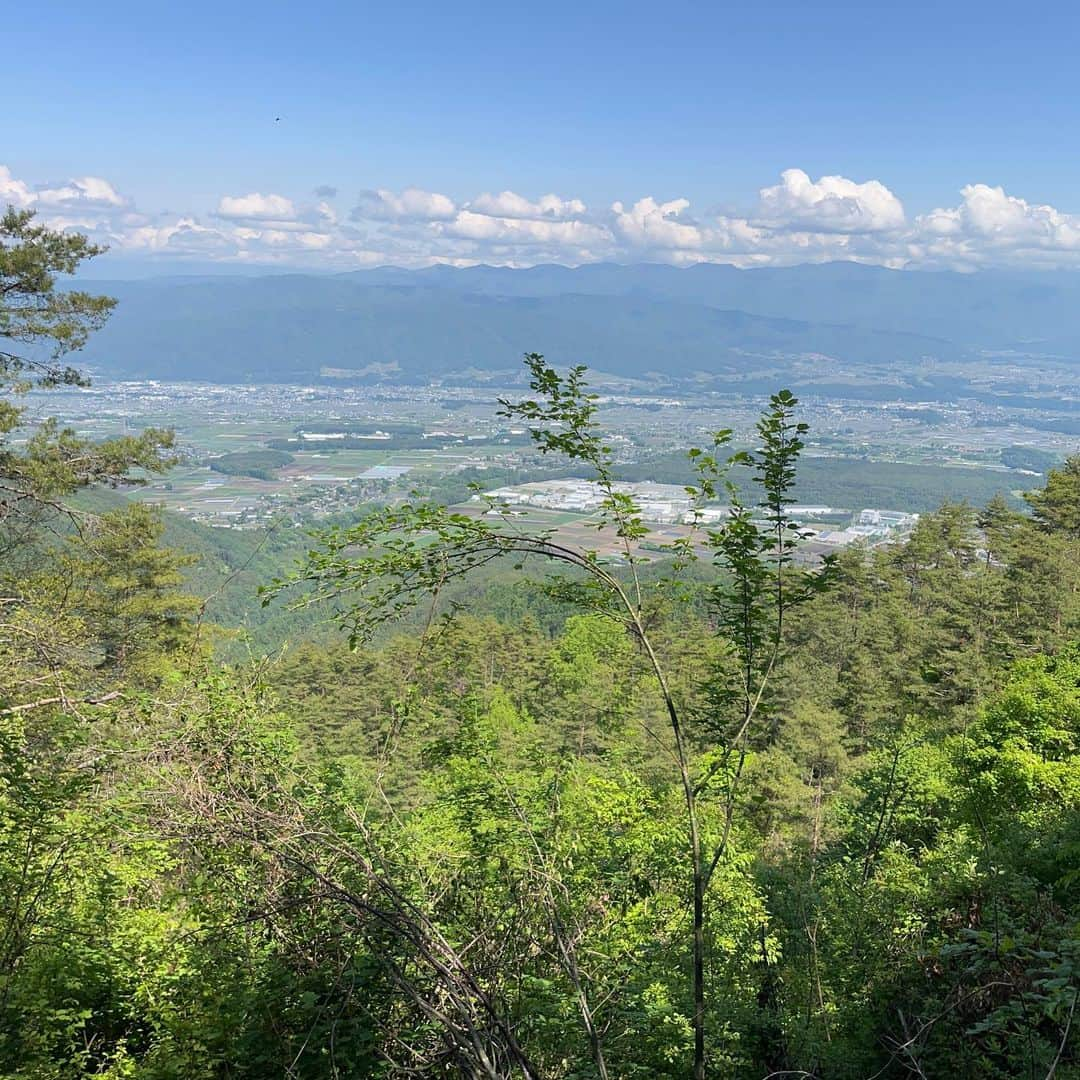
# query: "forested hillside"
{"type": "Point", "coordinates": [511, 810]}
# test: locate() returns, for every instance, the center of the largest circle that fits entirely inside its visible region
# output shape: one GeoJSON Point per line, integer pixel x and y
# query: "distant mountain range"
{"type": "Point", "coordinates": [647, 322]}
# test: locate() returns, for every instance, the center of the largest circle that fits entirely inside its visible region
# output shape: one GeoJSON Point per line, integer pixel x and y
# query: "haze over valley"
{"type": "Point", "coordinates": [263, 363]}
{"type": "Point", "coordinates": [649, 323]}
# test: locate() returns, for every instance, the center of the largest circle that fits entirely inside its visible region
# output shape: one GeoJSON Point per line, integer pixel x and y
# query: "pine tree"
{"type": "Point", "coordinates": [39, 327]}
{"type": "Point", "coordinates": [1057, 506]}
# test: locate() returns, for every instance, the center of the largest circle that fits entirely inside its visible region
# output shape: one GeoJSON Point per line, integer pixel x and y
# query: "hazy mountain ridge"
{"type": "Point", "coordinates": [628, 320]}
{"type": "Point", "coordinates": [992, 308]}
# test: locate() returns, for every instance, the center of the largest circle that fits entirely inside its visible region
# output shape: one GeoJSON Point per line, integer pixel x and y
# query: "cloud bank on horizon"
{"type": "Point", "coordinates": [796, 220]}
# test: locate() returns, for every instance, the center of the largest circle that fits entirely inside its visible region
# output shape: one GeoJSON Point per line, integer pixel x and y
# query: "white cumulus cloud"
{"type": "Point", "coordinates": [990, 213]}
{"type": "Point", "coordinates": [83, 191]}
{"type": "Point", "coordinates": [79, 194]}
{"type": "Point", "coordinates": [831, 204]}
{"type": "Point", "coordinates": [13, 192]}
{"type": "Point", "coordinates": [651, 224]}
{"type": "Point", "coordinates": [184, 236]}
{"type": "Point", "coordinates": [991, 227]}
{"type": "Point", "coordinates": [795, 220]}
{"type": "Point", "coordinates": [412, 204]}
{"type": "Point", "coordinates": [256, 207]}
{"type": "Point", "coordinates": [508, 204]}
{"type": "Point", "coordinates": [507, 230]}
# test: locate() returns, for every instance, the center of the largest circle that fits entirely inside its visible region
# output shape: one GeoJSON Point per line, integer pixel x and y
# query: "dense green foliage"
{"type": "Point", "coordinates": [466, 847]}
{"type": "Point", "coordinates": [195, 860]}
{"type": "Point", "coordinates": [261, 464]}
{"type": "Point", "coordinates": [1028, 457]}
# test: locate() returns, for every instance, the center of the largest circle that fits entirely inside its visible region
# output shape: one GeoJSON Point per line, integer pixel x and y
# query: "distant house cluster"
{"type": "Point", "coordinates": [669, 504]}
{"type": "Point", "coordinates": [662, 503]}
{"type": "Point", "coordinates": [870, 527]}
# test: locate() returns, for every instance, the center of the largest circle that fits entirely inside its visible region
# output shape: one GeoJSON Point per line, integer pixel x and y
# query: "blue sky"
{"type": "Point", "coordinates": [173, 107]}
